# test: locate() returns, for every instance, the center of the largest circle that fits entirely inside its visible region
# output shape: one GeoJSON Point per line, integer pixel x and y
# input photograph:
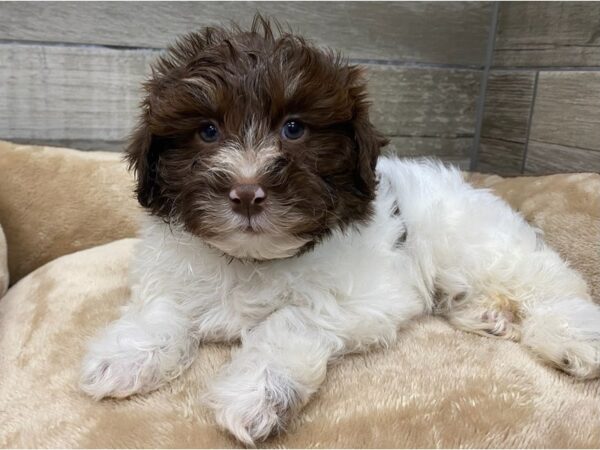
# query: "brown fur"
{"type": "Point", "coordinates": [250, 82]}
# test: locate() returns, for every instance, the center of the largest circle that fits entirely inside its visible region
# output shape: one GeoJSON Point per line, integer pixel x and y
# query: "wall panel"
{"type": "Point", "coordinates": [427, 32]}
{"type": "Point", "coordinates": [89, 96]}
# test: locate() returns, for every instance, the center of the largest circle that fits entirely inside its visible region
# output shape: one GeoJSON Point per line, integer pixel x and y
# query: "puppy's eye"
{"type": "Point", "coordinates": [292, 130]}
{"type": "Point", "coordinates": [208, 132]}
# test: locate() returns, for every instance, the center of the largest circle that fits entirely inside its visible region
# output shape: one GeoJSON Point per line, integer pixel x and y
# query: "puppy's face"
{"type": "Point", "coordinates": [259, 145]}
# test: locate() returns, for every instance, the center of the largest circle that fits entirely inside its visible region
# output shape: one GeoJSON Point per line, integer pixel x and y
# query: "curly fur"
{"type": "Point", "coordinates": [336, 267]}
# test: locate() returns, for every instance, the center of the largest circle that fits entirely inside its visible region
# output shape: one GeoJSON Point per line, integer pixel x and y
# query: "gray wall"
{"type": "Point", "coordinates": [542, 110]}
{"type": "Point", "coordinates": [70, 72]}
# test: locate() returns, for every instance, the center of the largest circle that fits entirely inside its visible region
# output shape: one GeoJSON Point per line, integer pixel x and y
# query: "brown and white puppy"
{"type": "Point", "coordinates": [269, 224]}
{"type": "Point", "coordinates": [271, 125]}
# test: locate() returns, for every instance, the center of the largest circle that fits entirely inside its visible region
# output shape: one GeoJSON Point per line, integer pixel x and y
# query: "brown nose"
{"type": "Point", "coordinates": [247, 199]}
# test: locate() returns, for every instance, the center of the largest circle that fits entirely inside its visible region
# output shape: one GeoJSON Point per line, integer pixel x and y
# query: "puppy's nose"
{"type": "Point", "coordinates": [247, 199]}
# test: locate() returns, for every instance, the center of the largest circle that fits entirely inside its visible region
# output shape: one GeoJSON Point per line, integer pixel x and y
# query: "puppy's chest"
{"type": "Point", "coordinates": [337, 275]}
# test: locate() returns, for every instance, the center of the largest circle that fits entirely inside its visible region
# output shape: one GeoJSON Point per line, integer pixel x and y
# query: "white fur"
{"type": "Point", "coordinates": [261, 246]}
{"type": "Point", "coordinates": [466, 256]}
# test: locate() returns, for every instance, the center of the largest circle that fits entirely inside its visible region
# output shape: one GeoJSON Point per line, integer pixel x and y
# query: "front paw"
{"type": "Point", "coordinates": [120, 364]}
{"type": "Point", "coordinates": [115, 376]}
{"type": "Point", "coordinates": [254, 406]}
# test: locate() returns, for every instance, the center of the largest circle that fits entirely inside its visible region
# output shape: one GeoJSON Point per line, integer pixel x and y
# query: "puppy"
{"type": "Point", "coordinates": [272, 221]}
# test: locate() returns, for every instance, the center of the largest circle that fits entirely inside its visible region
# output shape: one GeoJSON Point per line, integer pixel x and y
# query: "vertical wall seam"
{"type": "Point", "coordinates": [530, 120]}
{"type": "Point", "coordinates": [489, 57]}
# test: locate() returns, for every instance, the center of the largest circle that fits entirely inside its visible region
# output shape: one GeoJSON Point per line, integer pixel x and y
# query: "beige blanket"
{"type": "Point", "coordinates": [437, 387]}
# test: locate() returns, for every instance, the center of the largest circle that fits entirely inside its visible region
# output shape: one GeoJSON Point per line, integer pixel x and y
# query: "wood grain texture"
{"type": "Point", "coordinates": [78, 144]}
{"type": "Point", "coordinates": [458, 147]}
{"type": "Point", "coordinates": [88, 94]}
{"type": "Point", "coordinates": [567, 109]}
{"type": "Point", "coordinates": [501, 157]}
{"type": "Point", "coordinates": [54, 92]}
{"type": "Point", "coordinates": [508, 103]}
{"type": "Point", "coordinates": [409, 102]}
{"type": "Point", "coordinates": [544, 158]}
{"type": "Point", "coordinates": [548, 34]}
{"type": "Point", "coordinates": [431, 32]}
{"type": "Point", "coordinates": [453, 151]}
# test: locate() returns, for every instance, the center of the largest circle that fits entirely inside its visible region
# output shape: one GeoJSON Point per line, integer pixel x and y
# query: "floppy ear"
{"type": "Point", "coordinates": [367, 140]}
{"type": "Point", "coordinates": [368, 144]}
{"type": "Point", "coordinates": [142, 153]}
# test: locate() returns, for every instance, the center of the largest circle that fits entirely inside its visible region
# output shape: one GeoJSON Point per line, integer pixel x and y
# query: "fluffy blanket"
{"type": "Point", "coordinates": [436, 387]}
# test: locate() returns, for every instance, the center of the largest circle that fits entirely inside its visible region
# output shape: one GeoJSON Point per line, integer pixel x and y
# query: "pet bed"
{"type": "Point", "coordinates": [69, 219]}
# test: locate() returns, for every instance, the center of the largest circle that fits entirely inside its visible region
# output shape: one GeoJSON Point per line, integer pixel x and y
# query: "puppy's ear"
{"type": "Point", "coordinates": [142, 153]}
{"type": "Point", "coordinates": [368, 144]}
{"type": "Point", "coordinates": [367, 139]}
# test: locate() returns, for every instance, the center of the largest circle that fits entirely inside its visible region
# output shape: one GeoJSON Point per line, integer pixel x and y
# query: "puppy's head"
{"type": "Point", "coordinates": [258, 143]}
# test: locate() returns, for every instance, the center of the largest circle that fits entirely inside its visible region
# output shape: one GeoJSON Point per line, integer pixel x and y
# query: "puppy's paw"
{"type": "Point", "coordinates": [566, 334]}
{"type": "Point", "coordinates": [577, 355]}
{"type": "Point", "coordinates": [582, 362]}
{"type": "Point", "coordinates": [479, 315]}
{"type": "Point", "coordinates": [117, 375]}
{"type": "Point", "coordinates": [499, 323]}
{"type": "Point", "coordinates": [122, 361]}
{"type": "Point", "coordinates": [252, 408]}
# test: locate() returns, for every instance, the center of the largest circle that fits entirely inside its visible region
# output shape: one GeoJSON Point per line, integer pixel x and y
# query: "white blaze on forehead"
{"type": "Point", "coordinates": [256, 162]}
{"type": "Point", "coordinates": [247, 161]}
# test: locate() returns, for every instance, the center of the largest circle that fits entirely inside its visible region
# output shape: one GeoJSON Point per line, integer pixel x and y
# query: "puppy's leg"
{"type": "Point", "coordinates": [149, 344]}
{"type": "Point", "coordinates": [493, 271]}
{"type": "Point", "coordinates": [525, 291]}
{"type": "Point", "coordinates": [493, 315]}
{"type": "Point", "coordinates": [280, 364]}
{"type": "Point", "coordinates": [514, 286]}
{"type": "Point", "coordinates": [566, 333]}
{"type": "Point", "coordinates": [283, 360]}
{"type": "Point", "coordinates": [545, 305]}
